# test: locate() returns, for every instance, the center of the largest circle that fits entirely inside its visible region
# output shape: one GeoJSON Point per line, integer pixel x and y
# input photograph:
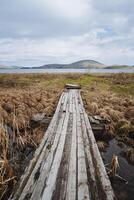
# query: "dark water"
{"type": "Point", "coordinates": [66, 71]}
{"type": "Point", "coordinates": [123, 191]}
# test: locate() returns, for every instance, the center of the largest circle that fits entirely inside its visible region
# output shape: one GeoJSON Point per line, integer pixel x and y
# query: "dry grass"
{"type": "Point", "coordinates": [22, 96]}
{"type": "Point", "coordinates": [112, 105]}
{"type": "Point", "coordinates": [129, 153]}
{"type": "Point", "coordinates": [102, 145]}
{"type": "Point", "coordinates": [17, 138]}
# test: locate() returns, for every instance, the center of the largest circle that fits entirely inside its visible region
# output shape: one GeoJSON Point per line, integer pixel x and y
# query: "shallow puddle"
{"type": "Point", "coordinates": [122, 190]}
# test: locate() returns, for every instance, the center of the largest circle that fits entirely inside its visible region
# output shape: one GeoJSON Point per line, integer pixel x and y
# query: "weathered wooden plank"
{"type": "Point", "coordinates": [106, 191]}
{"type": "Point", "coordinates": [36, 194]}
{"type": "Point", "coordinates": [71, 86]}
{"type": "Point", "coordinates": [31, 168]}
{"type": "Point", "coordinates": [100, 169]}
{"type": "Point", "coordinates": [50, 184]}
{"type": "Point", "coordinates": [65, 102]}
{"type": "Point", "coordinates": [71, 185]}
{"type": "Point", "coordinates": [83, 190]}
{"type": "Point", "coordinates": [63, 98]}
{"type": "Point", "coordinates": [90, 166]}
{"type": "Point", "coordinates": [71, 101]}
{"type": "Point", "coordinates": [62, 177]}
{"type": "Point", "coordinates": [31, 183]}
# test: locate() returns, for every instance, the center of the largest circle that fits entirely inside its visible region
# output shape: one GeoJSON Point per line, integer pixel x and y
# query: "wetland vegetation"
{"type": "Point", "coordinates": [26, 100]}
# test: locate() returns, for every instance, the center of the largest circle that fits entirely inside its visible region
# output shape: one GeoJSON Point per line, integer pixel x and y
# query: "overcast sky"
{"type": "Point", "coordinates": [36, 32]}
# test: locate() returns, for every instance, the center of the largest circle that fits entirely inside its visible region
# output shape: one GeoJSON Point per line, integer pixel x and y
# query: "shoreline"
{"type": "Point", "coordinates": [67, 70]}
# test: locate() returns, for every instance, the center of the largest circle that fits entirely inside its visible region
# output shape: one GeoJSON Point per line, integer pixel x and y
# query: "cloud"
{"type": "Point", "coordinates": [71, 9]}
{"type": "Point", "coordinates": [90, 45]}
{"type": "Point", "coordinates": [45, 31]}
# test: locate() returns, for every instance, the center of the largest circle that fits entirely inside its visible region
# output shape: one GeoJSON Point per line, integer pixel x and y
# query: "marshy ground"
{"type": "Point", "coordinates": [25, 98]}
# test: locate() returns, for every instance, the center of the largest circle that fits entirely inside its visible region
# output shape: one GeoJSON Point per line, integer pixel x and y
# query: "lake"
{"type": "Point", "coordinates": [9, 71]}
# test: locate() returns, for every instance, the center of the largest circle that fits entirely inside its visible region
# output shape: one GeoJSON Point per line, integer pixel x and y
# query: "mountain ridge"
{"type": "Point", "coordinates": [119, 67]}
{"type": "Point", "coordinates": [9, 67]}
{"type": "Point", "coordinates": [85, 64]}
{"type": "Point", "coordinates": [81, 64]}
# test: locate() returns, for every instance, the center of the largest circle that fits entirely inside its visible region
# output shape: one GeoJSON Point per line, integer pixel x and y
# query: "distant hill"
{"type": "Point", "coordinates": [3, 67]}
{"type": "Point", "coordinates": [8, 67]}
{"type": "Point", "coordinates": [119, 67]}
{"type": "Point", "coordinates": [84, 64]}
{"type": "Point", "coordinates": [87, 64]}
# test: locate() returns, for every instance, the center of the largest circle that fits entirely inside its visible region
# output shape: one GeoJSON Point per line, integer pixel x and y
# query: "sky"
{"type": "Point", "coordinates": [37, 32]}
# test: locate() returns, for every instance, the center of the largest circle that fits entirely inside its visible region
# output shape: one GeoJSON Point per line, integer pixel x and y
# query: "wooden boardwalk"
{"type": "Point", "coordinates": [67, 165]}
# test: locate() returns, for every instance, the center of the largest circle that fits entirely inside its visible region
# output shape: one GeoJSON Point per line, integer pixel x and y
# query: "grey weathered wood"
{"type": "Point", "coordinates": [107, 190]}
{"type": "Point", "coordinates": [71, 185]}
{"type": "Point", "coordinates": [92, 178]}
{"type": "Point", "coordinates": [65, 102]}
{"type": "Point", "coordinates": [61, 181]}
{"type": "Point", "coordinates": [39, 185]}
{"type": "Point", "coordinates": [32, 168]}
{"type": "Point", "coordinates": [83, 190]}
{"type": "Point", "coordinates": [71, 86]}
{"type": "Point", "coordinates": [67, 164]}
{"type": "Point", "coordinates": [104, 180]}
{"type": "Point", "coordinates": [71, 102]}
{"type": "Point", "coordinates": [50, 184]}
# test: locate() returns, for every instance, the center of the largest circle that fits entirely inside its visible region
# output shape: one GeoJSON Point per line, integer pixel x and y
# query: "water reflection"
{"type": "Point", "coordinates": [123, 191]}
